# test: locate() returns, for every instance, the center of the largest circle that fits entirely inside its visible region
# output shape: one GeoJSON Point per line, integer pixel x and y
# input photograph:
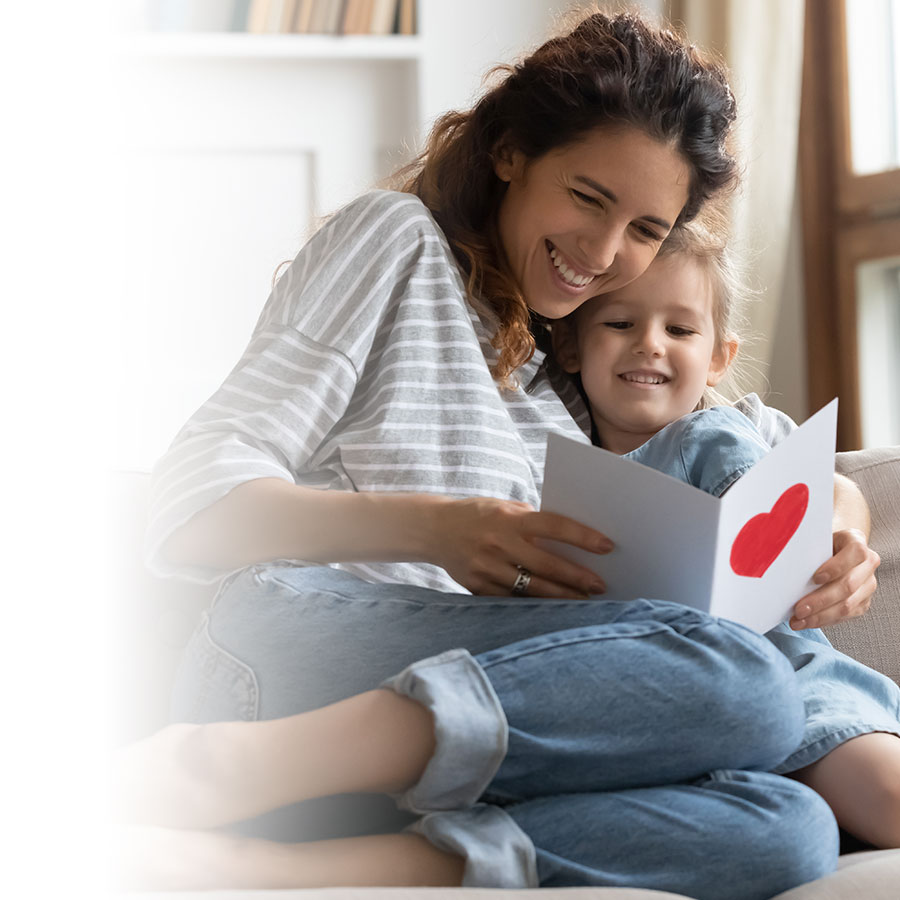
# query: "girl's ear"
{"type": "Point", "coordinates": [722, 358]}
{"type": "Point", "coordinates": [565, 344]}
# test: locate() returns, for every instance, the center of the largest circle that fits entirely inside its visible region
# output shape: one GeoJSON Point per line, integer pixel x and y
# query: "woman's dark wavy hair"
{"type": "Point", "coordinates": [607, 71]}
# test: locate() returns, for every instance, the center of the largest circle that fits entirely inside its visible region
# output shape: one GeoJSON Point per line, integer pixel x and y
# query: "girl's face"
{"type": "Point", "coordinates": [589, 217]}
{"type": "Point", "coordinates": [646, 352]}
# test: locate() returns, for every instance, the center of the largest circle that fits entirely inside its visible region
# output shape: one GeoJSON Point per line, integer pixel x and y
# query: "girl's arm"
{"type": "Point", "coordinates": [847, 579]}
{"type": "Point", "coordinates": [479, 542]}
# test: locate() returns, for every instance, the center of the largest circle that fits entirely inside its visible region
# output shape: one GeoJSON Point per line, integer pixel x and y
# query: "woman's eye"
{"type": "Point", "coordinates": [648, 233]}
{"type": "Point", "coordinates": [619, 326]}
{"type": "Point", "coordinates": [585, 198]}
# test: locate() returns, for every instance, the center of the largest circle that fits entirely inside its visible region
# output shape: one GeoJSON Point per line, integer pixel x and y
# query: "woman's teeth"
{"type": "Point", "coordinates": [567, 274]}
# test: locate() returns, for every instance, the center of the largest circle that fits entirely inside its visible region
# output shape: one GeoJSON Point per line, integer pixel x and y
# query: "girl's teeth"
{"type": "Point", "coordinates": [568, 275]}
{"type": "Point", "coordinates": [645, 379]}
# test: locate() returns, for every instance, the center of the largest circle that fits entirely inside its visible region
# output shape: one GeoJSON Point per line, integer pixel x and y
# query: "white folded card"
{"type": "Point", "coordinates": [748, 556]}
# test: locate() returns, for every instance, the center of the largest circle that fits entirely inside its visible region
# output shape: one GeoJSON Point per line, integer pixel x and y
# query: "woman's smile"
{"type": "Point", "coordinates": [568, 272]}
{"type": "Point", "coordinates": [588, 217]}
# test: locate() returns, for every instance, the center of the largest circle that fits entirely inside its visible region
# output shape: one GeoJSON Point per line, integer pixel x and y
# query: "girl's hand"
{"type": "Point", "coordinates": [481, 543]}
{"type": "Point", "coordinates": [847, 583]}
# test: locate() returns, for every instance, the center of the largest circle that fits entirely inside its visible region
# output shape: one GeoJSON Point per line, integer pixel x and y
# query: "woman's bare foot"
{"type": "Point", "coordinates": [205, 776]}
{"type": "Point", "coordinates": [187, 776]}
{"type": "Point", "coordinates": [149, 858]}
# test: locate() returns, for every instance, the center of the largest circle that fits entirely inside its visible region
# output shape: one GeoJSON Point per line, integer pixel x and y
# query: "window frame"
{"type": "Point", "coordinates": [847, 218]}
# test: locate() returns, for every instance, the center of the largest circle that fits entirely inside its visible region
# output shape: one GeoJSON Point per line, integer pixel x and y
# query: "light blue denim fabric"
{"type": "Point", "coordinates": [709, 449]}
{"type": "Point", "coordinates": [843, 699]}
{"type": "Point", "coordinates": [579, 742]}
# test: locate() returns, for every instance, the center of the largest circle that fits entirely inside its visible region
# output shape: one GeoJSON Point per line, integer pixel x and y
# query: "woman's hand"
{"type": "Point", "coordinates": [481, 543]}
{"type": "Point", "coordinates": [847, 583]}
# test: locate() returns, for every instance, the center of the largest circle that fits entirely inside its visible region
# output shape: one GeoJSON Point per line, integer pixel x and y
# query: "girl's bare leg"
{"type": "Point", "coordinates": [151, 858]}
{"type": "Point", "coordinates": [204, 776]}
{"type": "Point", "coordinates": [860, 780]}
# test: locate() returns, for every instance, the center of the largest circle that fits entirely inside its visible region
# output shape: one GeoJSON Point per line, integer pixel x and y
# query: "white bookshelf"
{"type": "Point", "coordinates": [235, 143]}
{"type": "Point", "coordinates": [236, 45]}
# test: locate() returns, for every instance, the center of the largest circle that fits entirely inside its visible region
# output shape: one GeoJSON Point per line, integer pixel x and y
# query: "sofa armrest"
{"type": "Point", "coordinates": [874, 639]}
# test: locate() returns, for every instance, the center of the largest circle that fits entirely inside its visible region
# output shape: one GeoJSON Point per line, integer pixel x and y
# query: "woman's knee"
{"type": "Point", "coordinates": [757, 695]}
{"type": "Point", "coordinates": [795, 831]}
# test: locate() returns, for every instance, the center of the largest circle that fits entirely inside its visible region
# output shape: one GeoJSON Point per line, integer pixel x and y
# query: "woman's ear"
{"type": "Point", "coordinates": [509, 163]}
{"type": "Point", "coordinates": [564, 335]}
{"type": "Point", "coordinates": [722, 358]}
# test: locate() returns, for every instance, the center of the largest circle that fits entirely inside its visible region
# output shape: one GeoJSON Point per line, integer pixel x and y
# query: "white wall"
{"type": "Point", "coordinates": [230, 156]}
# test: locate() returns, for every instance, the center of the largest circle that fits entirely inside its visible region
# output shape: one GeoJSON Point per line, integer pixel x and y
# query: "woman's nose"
{"type": "Point", "coordinates": [600, 246]}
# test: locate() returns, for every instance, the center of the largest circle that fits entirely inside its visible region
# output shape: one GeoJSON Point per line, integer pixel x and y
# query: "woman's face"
{"type": "Point", "coordinates": [588, 217]}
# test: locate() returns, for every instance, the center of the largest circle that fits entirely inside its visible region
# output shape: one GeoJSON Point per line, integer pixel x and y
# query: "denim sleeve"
{"type": "Point", "coordinates": [709, 449]}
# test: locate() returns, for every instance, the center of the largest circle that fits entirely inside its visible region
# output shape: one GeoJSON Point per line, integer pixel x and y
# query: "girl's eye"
{"type": "Point", "coordinates": [618, 326]}
{"type": "Point", "coordinates": [678, 331]}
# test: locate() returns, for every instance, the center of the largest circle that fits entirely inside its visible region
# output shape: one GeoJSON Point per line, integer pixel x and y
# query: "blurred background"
{"type": "Point", "coordinates": [241, 121]}
{"type": "Point", "coordinates": [162, 157]}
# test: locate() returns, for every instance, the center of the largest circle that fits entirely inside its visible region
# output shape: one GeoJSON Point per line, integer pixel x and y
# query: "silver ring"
{"type": "Point", "coordinates": [523, 579]}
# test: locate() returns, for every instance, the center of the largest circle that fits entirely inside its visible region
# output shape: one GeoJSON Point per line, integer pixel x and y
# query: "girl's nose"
{"type": "Point", "coordinates": [649, 341]}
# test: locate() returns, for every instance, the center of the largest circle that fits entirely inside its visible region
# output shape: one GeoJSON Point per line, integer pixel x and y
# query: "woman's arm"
{"type": "Point", "coordinates": [479, 542]}
{"type": "Point", "coordinates": [847, 579]}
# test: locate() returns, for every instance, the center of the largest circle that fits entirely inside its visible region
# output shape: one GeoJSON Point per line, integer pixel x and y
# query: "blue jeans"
{"type": "Point", "coordinates": [578, 742]}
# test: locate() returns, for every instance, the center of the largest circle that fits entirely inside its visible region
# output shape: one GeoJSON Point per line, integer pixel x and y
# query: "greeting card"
{"type": "Point", "coordinates": [748, 556]}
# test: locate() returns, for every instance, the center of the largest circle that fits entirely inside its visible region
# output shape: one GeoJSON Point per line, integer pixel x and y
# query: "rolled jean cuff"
{"type": "Point", "coordinates": [497, 853]}
{"type": "Point", "coordinates": [470, 730]}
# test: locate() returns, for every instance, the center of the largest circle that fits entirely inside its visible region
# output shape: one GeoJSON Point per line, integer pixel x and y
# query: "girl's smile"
{"type": "Point", "coordinates": [646, 352]}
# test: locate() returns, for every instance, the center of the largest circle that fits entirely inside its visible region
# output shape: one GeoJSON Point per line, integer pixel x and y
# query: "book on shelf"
{"type": "Point", "coordinates": [286, 21]}
{"type": "Point", "coordinates": [258, 16]}
{"type": "Point", "coordinates": [273, 19]}
{"type": "Point", "coordinates": [302, 16]}
{"type": "Point", "coordinates": [351, 17]}
{"type": "Point", "coordinates": [239, 15]}
{"type": "Point", "coordinates": [406, 17]}
{"type": "Point", "coordinates": [326, 16]}
{"type": "Point", "coordinates": [335, 15]}
{"type": "Point", "coordinates": [384, 15]}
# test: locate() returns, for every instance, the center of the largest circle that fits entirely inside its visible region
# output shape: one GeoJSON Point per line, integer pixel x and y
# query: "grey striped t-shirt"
{"type": "Point", "coordinates": [367, 372]}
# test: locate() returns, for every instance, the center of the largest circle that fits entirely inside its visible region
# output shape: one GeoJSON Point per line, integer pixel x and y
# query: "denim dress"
{"type": "Point", "coordinates": [844, 699]}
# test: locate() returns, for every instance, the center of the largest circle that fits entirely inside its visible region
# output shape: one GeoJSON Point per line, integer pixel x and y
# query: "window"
{"type": "Point", "coordinates": [850, 182]}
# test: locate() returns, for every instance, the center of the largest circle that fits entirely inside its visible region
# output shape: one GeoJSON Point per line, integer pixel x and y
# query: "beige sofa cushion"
{"type": "Point", "coordinates": [874, 639]}
{"type": "Point", "coordinates": [862, 876]}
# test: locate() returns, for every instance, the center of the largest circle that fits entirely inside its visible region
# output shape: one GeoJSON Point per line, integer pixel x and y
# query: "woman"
{"type": "Point", "coordinates": [390, 417]}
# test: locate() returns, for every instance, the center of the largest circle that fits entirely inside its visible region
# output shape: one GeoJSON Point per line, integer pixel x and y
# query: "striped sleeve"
{"type": "Point", "coordinates": [771, 423]}
{"type": "Point", "coordinates": [297, 377]}
{"type": "Point", "coordinates": [265, 421]}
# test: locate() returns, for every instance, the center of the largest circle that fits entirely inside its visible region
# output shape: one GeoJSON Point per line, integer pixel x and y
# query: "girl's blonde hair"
{"type": "Point", "coordinates": [705, 241]}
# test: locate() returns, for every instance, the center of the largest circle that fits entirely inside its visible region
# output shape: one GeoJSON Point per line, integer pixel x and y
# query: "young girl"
{"type": "Point", "coordinates": [650, 357]}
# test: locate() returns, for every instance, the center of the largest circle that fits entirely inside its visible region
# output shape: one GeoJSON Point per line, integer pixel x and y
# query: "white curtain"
{"type": "Point", "coordinates": [762, 43]}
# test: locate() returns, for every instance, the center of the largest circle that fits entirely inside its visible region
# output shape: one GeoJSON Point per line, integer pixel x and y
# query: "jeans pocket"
{"type": "Point", "coordinates": [213, 685]}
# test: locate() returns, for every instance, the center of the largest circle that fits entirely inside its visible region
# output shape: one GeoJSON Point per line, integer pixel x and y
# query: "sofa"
{"type": "Point", "coordinates": [156, 621]}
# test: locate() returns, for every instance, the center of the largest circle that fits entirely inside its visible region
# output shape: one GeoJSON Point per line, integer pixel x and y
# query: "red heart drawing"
{"type": "Point", "coordinates": [764, 536]}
